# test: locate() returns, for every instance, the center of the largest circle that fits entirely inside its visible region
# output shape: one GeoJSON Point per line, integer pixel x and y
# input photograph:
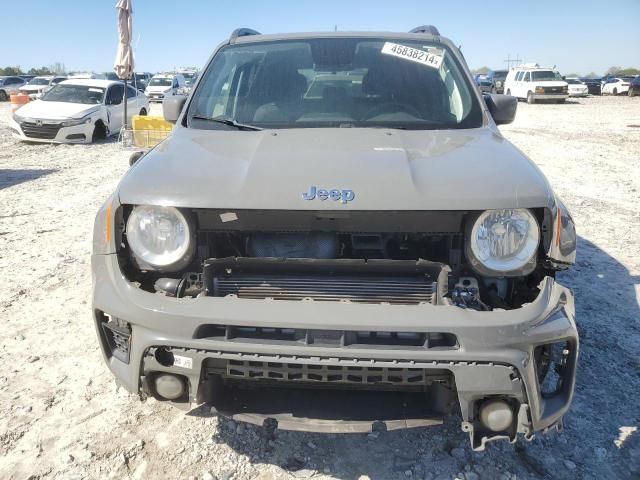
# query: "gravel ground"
{"type": "Point", "coordinates": [62, 417]}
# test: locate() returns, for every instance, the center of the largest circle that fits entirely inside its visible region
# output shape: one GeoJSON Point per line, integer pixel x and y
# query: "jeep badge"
{"type": "Point", "coordinates": [344, 196]}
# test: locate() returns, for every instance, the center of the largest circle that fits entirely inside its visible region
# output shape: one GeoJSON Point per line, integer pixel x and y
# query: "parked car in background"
{"type": "Point", "coordinates": [497, 78]}
{"type": "Point", "coordinates": [77, 111]}
{"type": "Point", "coordinates": [594, 85]}
{"type": "Point", "coordinates": [164, 84]}
{"type": "Point", "coordinates": [617, 85]}
{"type": "Point", "coordinates": [10, 85]}
{"type": "Point", "coordinates": [576, 87]}
{"type": "Point", "coordinates": [39, 85]}
{"type": "Point", "coordinates": [133, 81]}
{"type": "Point", "coordinates": [27, 77]}
{"type": "Point", "coordinates": [634, 87]}
{"type": "Point", "coordinates": [534, 83]}
{"type": "Point", "coordinates": [484, 84]}
{"type": "Point", "coordinates": [142, 80]}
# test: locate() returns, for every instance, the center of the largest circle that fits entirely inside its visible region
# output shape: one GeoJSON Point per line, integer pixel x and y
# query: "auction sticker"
{"type": "Point", "coordinates": [412, 54]}
{"type": "Point", "coordinates": [183, 362]}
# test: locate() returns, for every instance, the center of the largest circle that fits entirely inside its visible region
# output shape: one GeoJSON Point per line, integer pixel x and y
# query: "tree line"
{"type": "Point", "coordinates": [55, 69]}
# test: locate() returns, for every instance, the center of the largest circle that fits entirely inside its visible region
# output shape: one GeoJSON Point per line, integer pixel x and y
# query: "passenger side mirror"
{"type": "Point", "coordinates": [172, 106]}
{"type": "Point", "coordinates": [501, 107]}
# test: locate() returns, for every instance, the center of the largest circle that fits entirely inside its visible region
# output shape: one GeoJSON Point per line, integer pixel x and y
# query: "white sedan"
{"type": "Point", "coordinates": [577, 88]}
{"type": "Point", "coordinates": [78, 111]}
{"type": "Point", "coordinates": [616, 86]}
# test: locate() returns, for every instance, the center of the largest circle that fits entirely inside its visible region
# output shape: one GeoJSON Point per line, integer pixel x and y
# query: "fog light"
{"type": "Point", "coordinates": [170, 387]}
{"type": "Point", "coordinates": [496, 415]}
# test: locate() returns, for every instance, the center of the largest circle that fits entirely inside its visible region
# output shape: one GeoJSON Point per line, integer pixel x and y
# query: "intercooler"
{"type": "Point", "coordinates": [360, 281]}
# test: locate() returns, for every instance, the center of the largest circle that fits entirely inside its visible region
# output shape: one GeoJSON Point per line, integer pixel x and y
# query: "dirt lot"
{"type": "Point", "coordinates": [60, 413]}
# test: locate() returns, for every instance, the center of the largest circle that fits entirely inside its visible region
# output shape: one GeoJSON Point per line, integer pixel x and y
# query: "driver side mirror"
{"type": "Point", "coordinates": [501, 107]}
{"type": "Point", "coordinates": [172, 107]}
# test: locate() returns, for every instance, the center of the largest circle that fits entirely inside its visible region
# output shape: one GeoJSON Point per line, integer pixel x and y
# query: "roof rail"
{"type": "Point", "coordinates": [430, 29]}
{"type": "Point", "coordinates": [242, 32]}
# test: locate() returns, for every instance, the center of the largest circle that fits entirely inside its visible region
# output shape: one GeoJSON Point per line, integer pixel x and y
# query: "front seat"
{"type": "Point", "coordinates": [279, 91]}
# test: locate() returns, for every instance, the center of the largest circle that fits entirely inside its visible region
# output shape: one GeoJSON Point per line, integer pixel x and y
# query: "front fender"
{"type": "Point", "coordinates": [561, 251]}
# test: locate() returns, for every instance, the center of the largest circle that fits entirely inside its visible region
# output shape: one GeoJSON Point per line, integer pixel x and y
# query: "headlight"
{"type": "Point", "coordinates": [17, 118]}
{"type": "Point", "coordinates": [160, 237]}
{"type": "Point", "coordinates": [73, 123]}
{"type": "Point", "coordinates": [504, 242]}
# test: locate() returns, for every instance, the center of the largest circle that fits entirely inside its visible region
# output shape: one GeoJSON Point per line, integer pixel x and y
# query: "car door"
{"type": "Point", "coordinates": [115, 108]}
{"type": "Point", "coordinates": [133, 103]}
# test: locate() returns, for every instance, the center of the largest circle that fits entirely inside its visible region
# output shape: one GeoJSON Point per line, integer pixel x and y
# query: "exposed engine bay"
{"type": "Point", "coordinates": [362, 259]}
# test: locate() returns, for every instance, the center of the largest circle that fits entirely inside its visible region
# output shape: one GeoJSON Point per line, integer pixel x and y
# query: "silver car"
{"type": "Point", "coordinates": [338, 214]}
{"type": "Point", "coordinates": [10, 86]}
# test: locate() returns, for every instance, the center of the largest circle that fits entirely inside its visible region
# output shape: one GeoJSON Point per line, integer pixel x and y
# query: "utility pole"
{"type": "Point", "coordinates": [515, 61]}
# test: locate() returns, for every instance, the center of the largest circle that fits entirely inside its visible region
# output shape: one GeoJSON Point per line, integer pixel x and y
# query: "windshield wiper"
{"type": "Point", "coordinates": [226, 121]}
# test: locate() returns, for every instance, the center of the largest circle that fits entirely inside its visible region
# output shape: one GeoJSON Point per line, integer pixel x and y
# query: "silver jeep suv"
{"type": "Point", "coordinates": [336, 237]}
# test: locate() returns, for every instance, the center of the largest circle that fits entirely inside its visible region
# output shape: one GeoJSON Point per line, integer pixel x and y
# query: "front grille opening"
{"type": "Point", "coordinates": [551, 364]}
{"type": "Point", "coordinates": [328, 338]}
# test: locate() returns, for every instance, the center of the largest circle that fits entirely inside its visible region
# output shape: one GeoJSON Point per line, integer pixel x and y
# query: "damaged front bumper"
{"type": "Point", "coordinates": [489, 355]}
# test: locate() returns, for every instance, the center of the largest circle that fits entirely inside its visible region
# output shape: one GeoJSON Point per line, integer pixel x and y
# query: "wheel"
{"type": "Point", "coordinates": [615, 91]}
{"type": "Point", "coordinates": [530, 98]}
{"type": "Point", "coordinates": [509, 92]}
{"type": "Point", "coordinates": [143, 112]}
{"type": "Point", "coordinates": [631, 92]}
{"type": "Point", "coordinates": [99, 132]}
{"type": "Point", "coordinates": [3, 96]}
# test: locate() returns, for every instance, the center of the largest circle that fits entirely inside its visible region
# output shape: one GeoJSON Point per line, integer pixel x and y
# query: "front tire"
{"type": "Point", "coordinates": [99, 132]}
{"type": "Point", "coordinates": [615, 91]}
{"type": "Point", "coordinates": [3, 96]}
{"type": "Point", "coordinates": [143, 112]}
{"type": "Point", "coordinates": [530, 98]}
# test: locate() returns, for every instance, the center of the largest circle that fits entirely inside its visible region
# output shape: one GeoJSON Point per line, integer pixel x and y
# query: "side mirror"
{"type": "Point", "coordinates": [501, 107]}
{"type": "Point", "coordinates": [172, 106]}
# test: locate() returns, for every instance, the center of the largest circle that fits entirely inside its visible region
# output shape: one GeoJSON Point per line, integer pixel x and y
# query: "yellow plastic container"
{"type": "Point", "coordinates": [149, 131]}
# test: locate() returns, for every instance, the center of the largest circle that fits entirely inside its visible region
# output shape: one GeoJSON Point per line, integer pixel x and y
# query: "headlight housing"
{"type": "Point", "coordinates": [503, 242]}
{"type": "Point", "coordinates": [73, 123]}
{"type": "Point", "coordinates": [160, 238]}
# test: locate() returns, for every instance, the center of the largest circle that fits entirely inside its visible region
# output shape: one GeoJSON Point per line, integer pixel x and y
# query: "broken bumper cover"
{"type": "Point", "coordinates": [494, 355]}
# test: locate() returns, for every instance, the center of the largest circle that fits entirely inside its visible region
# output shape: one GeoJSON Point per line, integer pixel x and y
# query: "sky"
{"type": "Point", "coordinates": [576, 36]}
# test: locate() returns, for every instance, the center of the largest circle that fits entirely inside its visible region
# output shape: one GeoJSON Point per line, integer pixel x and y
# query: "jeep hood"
{"type": "Point", "coordinates": [386, 169]}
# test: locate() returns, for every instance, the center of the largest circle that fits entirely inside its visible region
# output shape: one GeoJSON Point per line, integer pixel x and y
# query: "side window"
{"type": "Point", "coordinates": [13, 81]}
{"type": "Point", "coordinates": [114, 97]}
{"type": "Point", "coordinates": [518, 76]}
{"type": "Point", "coordinates": [527, 77]}
{"type": "Point", "coordinates": [131, 92]}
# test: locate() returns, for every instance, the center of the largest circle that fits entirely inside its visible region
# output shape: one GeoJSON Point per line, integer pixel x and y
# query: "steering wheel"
{"type": "Point", "coordinates": [391, 107]}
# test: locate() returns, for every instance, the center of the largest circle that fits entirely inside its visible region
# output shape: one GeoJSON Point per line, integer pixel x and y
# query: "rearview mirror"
{"type": "Point", "coordinates": [501, 107]}
{"type": "Point", "coordinates": [172, 106]}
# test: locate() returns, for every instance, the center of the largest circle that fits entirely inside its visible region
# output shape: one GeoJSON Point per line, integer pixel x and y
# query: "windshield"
{"type": "Point", "coordinates": [189, 78]}
{"type": "Point", "coordinates": [499, 75]}
{"type": "Point", "coordinates": [40, 81]}
{"type": "Point", "coordinates": [573, 81]}
{"type": "Point", "coordinates": [75, 94]}
{"type": "Point", "coordinates": [544, 75]}
{"type": "Point", "coordinates": [335, 82]}
{"type": "Point", "coordinates": [160, 82]}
